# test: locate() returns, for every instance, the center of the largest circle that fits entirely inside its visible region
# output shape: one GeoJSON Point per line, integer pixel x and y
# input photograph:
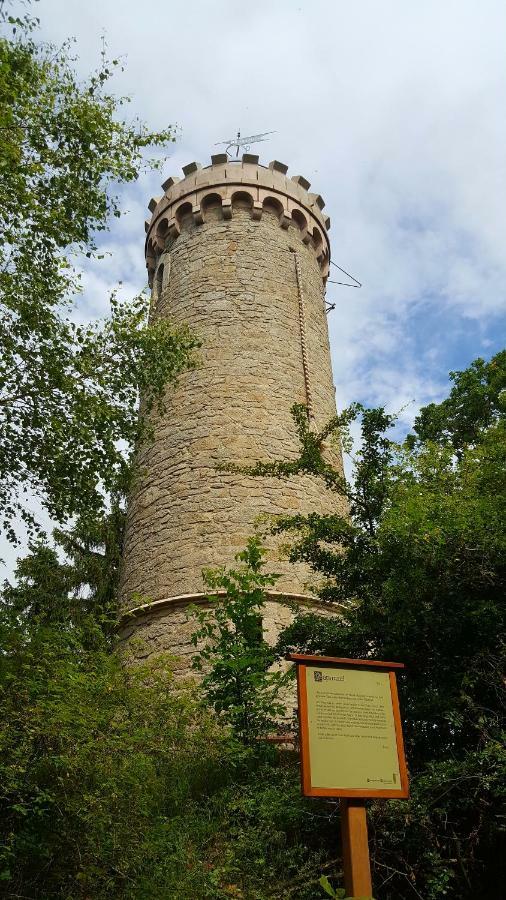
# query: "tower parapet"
{"type": "Point", "coordinates": [240, 253]}
{"type": "Point", "coordinates": [230, 184]}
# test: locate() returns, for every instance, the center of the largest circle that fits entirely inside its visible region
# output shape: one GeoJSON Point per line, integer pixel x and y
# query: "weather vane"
{"type": "Point", "coordinates": [243, 142]}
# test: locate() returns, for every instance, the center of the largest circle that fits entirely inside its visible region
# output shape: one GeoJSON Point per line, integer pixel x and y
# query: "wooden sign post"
{"type": "Point", "coordinates": [351, 746]}
{"type": "Point", "coordinates": [356, 864]}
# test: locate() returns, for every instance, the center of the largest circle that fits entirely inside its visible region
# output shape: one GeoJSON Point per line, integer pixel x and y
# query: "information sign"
{"type": "Point", "coordinates": [350, 728]}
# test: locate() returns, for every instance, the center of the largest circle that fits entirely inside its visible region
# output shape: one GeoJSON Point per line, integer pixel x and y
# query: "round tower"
{"type": "Point", "coordinates": [239, 252]}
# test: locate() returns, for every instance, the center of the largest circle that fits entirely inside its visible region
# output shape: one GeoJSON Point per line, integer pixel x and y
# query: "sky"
{"type": "Point", "coordinates": [392, 109]}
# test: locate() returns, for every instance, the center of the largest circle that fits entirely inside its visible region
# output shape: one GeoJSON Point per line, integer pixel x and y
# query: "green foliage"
{"type": "Point", "coordinates": [62, 147]}
{"type": "Point", "coordinates": [72, 579]}
{"type": "Point", "coordinates": [68, 392]}
{"type": "Point", "coordinates": [145, 795]}
{"type": "Point", "coordinates": [338, 894]}
{"type": "Point", "coordinates": [445, 840]}
{"type": "Point", "coordinates": [114, 783]}
{"type": "Point", "coordinates": [70, 423]}
{"type": "Point", "coordinates": [257, 839]}
{"type": "Point", "coordinates": [93, 760]}
{"type": "Point", "coordinates": [310, 460]}
{"type": "Point", "coordinates": [476, 402]}
{"type": "Point", "coordinates": [418, 570]}
{"type": "Point", "coordinates": [236, 659]}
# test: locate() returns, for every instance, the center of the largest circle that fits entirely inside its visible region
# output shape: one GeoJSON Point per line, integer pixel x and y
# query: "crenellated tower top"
{"type": "Point", "coordinates": [243, 182]}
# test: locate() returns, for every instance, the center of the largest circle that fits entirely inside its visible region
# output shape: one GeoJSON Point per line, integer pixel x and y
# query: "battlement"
{"type": "Point", "coordinates": [231, 184]}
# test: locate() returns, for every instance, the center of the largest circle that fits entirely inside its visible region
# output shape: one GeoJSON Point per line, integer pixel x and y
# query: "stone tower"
{"type": "Point", "coordinates": [240, 252]}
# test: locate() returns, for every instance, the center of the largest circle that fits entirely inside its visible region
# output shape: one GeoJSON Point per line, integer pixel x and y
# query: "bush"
{"type": "Point", "coordinates": [93, 758]}
{"type": "Point", "coordinates": [115, 783]}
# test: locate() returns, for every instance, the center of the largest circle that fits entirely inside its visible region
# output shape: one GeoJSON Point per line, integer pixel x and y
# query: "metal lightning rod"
{"type": "Point", "coordinates": [243, 142]}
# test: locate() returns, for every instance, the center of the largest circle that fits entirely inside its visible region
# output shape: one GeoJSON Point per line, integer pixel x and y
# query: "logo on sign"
{"type": "Point", "coordinates": [319, 676]}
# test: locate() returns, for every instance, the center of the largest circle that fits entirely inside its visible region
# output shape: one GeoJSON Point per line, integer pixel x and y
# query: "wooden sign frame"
{"type": "Point", "coordinates": [305, 664]}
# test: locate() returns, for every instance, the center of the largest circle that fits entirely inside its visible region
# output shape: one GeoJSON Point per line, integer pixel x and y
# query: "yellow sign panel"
{"type": "Point", "coordinates": [351, 730]}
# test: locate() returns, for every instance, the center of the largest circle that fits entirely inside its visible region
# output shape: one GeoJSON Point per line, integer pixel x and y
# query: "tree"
{"type": "Point", "coordinates": [477, 400]}
{"type": "Point", "coordinates": [73, 580]}
{"type": "Point", "coordinates": [117, 782]}
{"type": "Point", "coordinates": [68, 392]}
{"type": "Point", "coordinates": [418, 569]}
{"type": "Point", "coordinates": [95, 761]}
{"type": "Point", "coordinates": [111, 782]}
{"type": "Point", "coordinates": [235, 657]}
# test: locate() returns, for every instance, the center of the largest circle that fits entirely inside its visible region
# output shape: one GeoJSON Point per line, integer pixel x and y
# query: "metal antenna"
{"type": "Point", "coordinates": [345, 283]}
{"type": "Point", "coordinates": [330, 306]}
{"type": "Point", "coordinates": [244, 142]}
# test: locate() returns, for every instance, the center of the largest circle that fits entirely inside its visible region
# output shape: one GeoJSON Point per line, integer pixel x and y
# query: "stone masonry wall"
{"type": "Point", "coordinates": [234, 281]}
{"type": "Point", "coordinates": [168, 629]}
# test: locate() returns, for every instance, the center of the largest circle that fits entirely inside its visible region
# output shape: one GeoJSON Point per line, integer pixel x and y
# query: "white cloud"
{"type": "Point", "coordinates": [393, 109]}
